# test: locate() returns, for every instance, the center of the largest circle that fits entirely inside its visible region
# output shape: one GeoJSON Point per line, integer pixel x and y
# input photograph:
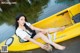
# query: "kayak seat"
{"type": "Point", "coordinates": [22, 41]}
{"type": "Point", "coordinates": [76, 18]}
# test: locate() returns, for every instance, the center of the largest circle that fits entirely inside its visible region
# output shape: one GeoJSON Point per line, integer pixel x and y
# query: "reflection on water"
{"type": "Point", "coordinates": [10, 11]}
{"type": "Point", "coordinates": [55, 6]}
{"type": "Point", "coordinates": [6, 31]}
{"type": "Point", "coordinates": [34, 10]}
{"type": "Point", "coordinates": [31, 11]}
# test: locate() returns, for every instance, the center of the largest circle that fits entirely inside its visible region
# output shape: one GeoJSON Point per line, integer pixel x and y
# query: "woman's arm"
{"type": "Point", "coordinates": [35, 28]}
{"type": "Point", "coordinates": [38, 29]}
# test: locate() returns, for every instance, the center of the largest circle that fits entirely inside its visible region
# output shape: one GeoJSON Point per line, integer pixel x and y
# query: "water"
{"type": "Point", "coordinates": [55, 6]}
{"type": "Point", "coordinates": [35, 10]}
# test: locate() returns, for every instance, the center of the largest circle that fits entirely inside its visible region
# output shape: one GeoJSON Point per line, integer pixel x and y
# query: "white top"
{"type": "Point", "coordinates": [22, 34]}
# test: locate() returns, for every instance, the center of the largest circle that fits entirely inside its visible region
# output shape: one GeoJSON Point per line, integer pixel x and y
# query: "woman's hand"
{"type": "Point", "coordinates": [62, 28]}
{"type": "Point", "coordinates": [42, 46]}
{"type": "Point", "coordinates": [44, 31]}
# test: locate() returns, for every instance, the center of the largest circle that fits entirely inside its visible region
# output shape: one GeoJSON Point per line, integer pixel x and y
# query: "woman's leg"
{"type": "Point", "coordinates": [50, 30]}
{"type": "Point", "coordinates": [44, 38]}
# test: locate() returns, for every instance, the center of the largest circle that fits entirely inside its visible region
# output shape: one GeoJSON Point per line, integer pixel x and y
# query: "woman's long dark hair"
{"type": "Point", "coordinates": [18, 17]}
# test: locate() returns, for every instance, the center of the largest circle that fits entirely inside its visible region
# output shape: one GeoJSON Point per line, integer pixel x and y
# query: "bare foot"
{"type": "Point", "coordinates": [62, 28]}
{"type": "Point", "coordinates": [60, 47]}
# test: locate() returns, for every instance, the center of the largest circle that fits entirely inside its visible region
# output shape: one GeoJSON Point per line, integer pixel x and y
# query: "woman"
{"type": "Point", "coordinates": [27, 32]}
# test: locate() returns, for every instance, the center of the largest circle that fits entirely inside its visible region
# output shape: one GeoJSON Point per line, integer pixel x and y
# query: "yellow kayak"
{"type": "Point", "coordinates": [69, 17]}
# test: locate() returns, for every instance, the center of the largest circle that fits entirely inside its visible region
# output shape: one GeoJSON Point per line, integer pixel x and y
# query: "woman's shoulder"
{"type": "Point", "coordinates": [18, 30]}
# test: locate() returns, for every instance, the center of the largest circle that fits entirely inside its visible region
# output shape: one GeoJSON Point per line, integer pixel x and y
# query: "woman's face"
{"type": "Point", "coordinates": [21, 20]}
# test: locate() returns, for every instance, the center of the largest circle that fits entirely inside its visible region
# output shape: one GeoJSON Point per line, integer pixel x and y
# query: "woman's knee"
{"type": "Point", "coordinates": [40, 33]}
